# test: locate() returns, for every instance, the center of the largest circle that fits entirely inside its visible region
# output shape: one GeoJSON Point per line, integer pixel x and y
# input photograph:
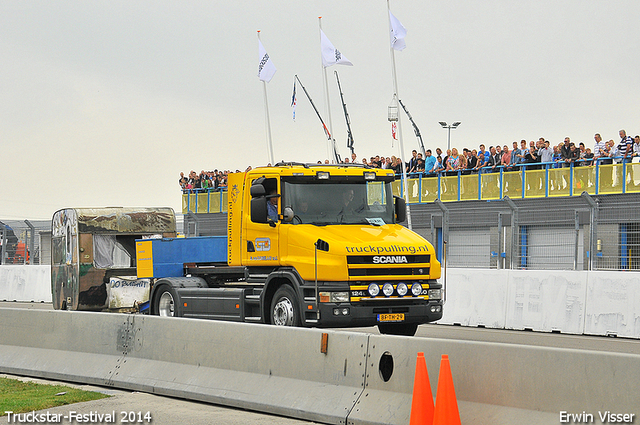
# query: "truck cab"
{"type": "Point", "coordinates": [336, 242]}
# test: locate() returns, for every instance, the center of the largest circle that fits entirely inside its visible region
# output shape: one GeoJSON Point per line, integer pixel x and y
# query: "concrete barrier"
{"type": "Point", "coordinates": [500, 383]}
{"type": "Point", "coordinates": [25, 283]}
{"type": "Point", "coordinates": [259, 367]}
{"type": "Point", "coordinates": [362, 378]}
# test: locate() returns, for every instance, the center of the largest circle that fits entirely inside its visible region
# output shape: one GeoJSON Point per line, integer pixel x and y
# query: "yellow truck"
{"type": "Point", "coordinates": [306, 245]}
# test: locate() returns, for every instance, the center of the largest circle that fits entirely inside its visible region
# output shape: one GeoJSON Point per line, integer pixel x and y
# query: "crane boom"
{"type": "Point", "coordinates": [415, 128]}
{"type": "Point", "coordinates": [326, 130]}
{"type": "Point", "coordinates": [346, 115]}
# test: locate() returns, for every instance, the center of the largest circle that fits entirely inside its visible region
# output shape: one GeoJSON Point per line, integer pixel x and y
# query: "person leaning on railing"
{"type": "Point", "coordinates": [472, 161]}
{"type": "Point", "coordinates": [567, 154]}
{"type": "Point", "coordinates": [608, 153]}
{"type": "Point", "coordinates": [437, 167]}
{"type": "Point", "coordinates": [463, 162]}
{"type": "Point", "coordinates": [453, 162]}
{"type": "Point", "coordinates": [545, 152]}
{"type": "Point", "coordinates": [625, 147]}
{"type": "Point", "coordinates": [588, 157]}
{"type": "Point", "coordinates": [494, 160]}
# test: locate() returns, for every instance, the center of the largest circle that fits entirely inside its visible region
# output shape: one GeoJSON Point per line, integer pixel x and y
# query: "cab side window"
{"type": "Point", "coordinates": [265, 206]}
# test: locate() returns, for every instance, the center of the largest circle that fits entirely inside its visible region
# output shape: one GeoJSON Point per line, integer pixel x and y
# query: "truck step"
{"type": "Point", "coordinates": [252, 299]}
{"type": "Point", "coordinates": [253, 319]}
{"type": "Point", "coordinates": [257, 278]}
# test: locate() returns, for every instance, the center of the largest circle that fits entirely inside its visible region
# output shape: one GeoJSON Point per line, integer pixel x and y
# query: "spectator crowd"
{"type": "Point", "coordinates": [206, 180]}
{"type": "Point", "coordinates": [535, 154]}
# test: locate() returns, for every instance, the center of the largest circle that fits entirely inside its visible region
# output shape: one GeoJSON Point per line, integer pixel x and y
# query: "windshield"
{"type": "Point", "coordinates": [334, 202]}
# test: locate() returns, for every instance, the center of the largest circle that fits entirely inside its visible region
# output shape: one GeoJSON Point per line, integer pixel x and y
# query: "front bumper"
{"type": "Point", "coordinates": [367, 314]}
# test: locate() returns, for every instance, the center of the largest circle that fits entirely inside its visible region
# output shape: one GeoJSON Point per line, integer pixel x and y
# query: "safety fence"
{"type": "Point", "coordinates": [24, 242]}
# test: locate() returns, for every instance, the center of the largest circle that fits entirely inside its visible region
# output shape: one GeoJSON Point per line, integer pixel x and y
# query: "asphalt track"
{"type": "Point", "coordinates": [167, 410]}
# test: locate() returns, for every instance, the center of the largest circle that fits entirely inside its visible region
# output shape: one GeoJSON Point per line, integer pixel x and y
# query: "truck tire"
{"type": "Point", "coordinates": [403, 329]}
{"type": "Point", "coordinates": [165, 301]}
{"type": "Point", "coordinates": [284, 307]}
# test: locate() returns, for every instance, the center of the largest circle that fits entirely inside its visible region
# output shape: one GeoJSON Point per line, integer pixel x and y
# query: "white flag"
{"type": "Point", "coordinates": [398, 33]}
{"type": "Point", "coordinates": [331, 55]}
{"type": "Point", "coordinates": [266, 68]}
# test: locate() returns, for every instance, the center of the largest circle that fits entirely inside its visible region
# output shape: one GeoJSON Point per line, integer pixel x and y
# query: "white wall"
{"type": "Point", "coordinates": [576, 302]}
{"type": "Point", "coordinates": [25, 283]}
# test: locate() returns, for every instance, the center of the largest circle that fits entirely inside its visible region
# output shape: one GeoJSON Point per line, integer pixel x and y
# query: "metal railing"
{"type": "Point", "coordinates": [527, 180]}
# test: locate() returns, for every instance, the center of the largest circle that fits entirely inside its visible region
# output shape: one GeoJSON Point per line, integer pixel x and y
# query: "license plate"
{"type": "Point", "coordinates": [396, 317]}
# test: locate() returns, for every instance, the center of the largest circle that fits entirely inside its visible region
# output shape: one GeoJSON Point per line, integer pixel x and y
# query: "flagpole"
{"type": "Point", "coordinates": [332, 147]}
{"type": "Point", "coordinates": [396, 96]}
{"type": "Point", "coordinates": [267, 119]}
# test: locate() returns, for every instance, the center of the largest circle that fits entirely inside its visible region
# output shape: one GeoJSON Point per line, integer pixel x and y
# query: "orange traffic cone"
{"type": "Point", "coordinates": [446, 411]}
{"type": "Point", "coordinates": [422, 401]}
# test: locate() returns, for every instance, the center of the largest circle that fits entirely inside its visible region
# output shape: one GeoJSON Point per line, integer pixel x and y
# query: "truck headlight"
{"type": "Point", "coordinates": [402, 289]}
{"type": "Point", "coordinates": [334, 297]}
{"type": "Point", "coordinates": [339, 297]}
{"type": "Point", "coordinates": [435, 294]}
{"type": "Point", "coordinates": [416, 289]}
{"type": "Point", "coordinates": [374, 289]}
{"type": "Point", "coordinates": [387, 289]}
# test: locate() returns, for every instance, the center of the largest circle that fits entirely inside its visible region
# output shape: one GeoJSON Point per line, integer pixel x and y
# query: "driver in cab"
{"type": "Point", "coordinates": [347, 199]}
{"type": "Point", "coordinates": [272, 207]}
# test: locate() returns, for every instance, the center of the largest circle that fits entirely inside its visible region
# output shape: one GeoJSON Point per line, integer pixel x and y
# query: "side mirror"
{"type": "Point", "coordinates": [258, 208]}
{"type": "Point", "coordinates": [257, 190]}
{"type": "Point", "coordinates": [288, 215]}
{"type": "Point", "coordinates": [401, 209]}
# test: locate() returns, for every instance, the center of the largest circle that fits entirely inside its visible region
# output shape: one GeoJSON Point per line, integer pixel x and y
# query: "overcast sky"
{"type": "Point", "coordinates": [103, 103]}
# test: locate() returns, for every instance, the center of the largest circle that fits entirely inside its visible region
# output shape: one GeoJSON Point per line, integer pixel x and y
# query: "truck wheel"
{"type": "Point", "coordinates": [403, 329]}
{"type": "Point", "coordinates": [284, 307]}
{"type": "Point", "coordinates": [166, 302]}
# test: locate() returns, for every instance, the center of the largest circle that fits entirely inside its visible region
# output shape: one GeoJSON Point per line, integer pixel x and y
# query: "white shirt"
{"type": "Point", "coordinates": [596, 148]}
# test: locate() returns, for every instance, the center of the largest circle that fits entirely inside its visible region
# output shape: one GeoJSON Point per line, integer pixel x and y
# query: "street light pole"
{"type": "Point", "coordinates": [449, 127]}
